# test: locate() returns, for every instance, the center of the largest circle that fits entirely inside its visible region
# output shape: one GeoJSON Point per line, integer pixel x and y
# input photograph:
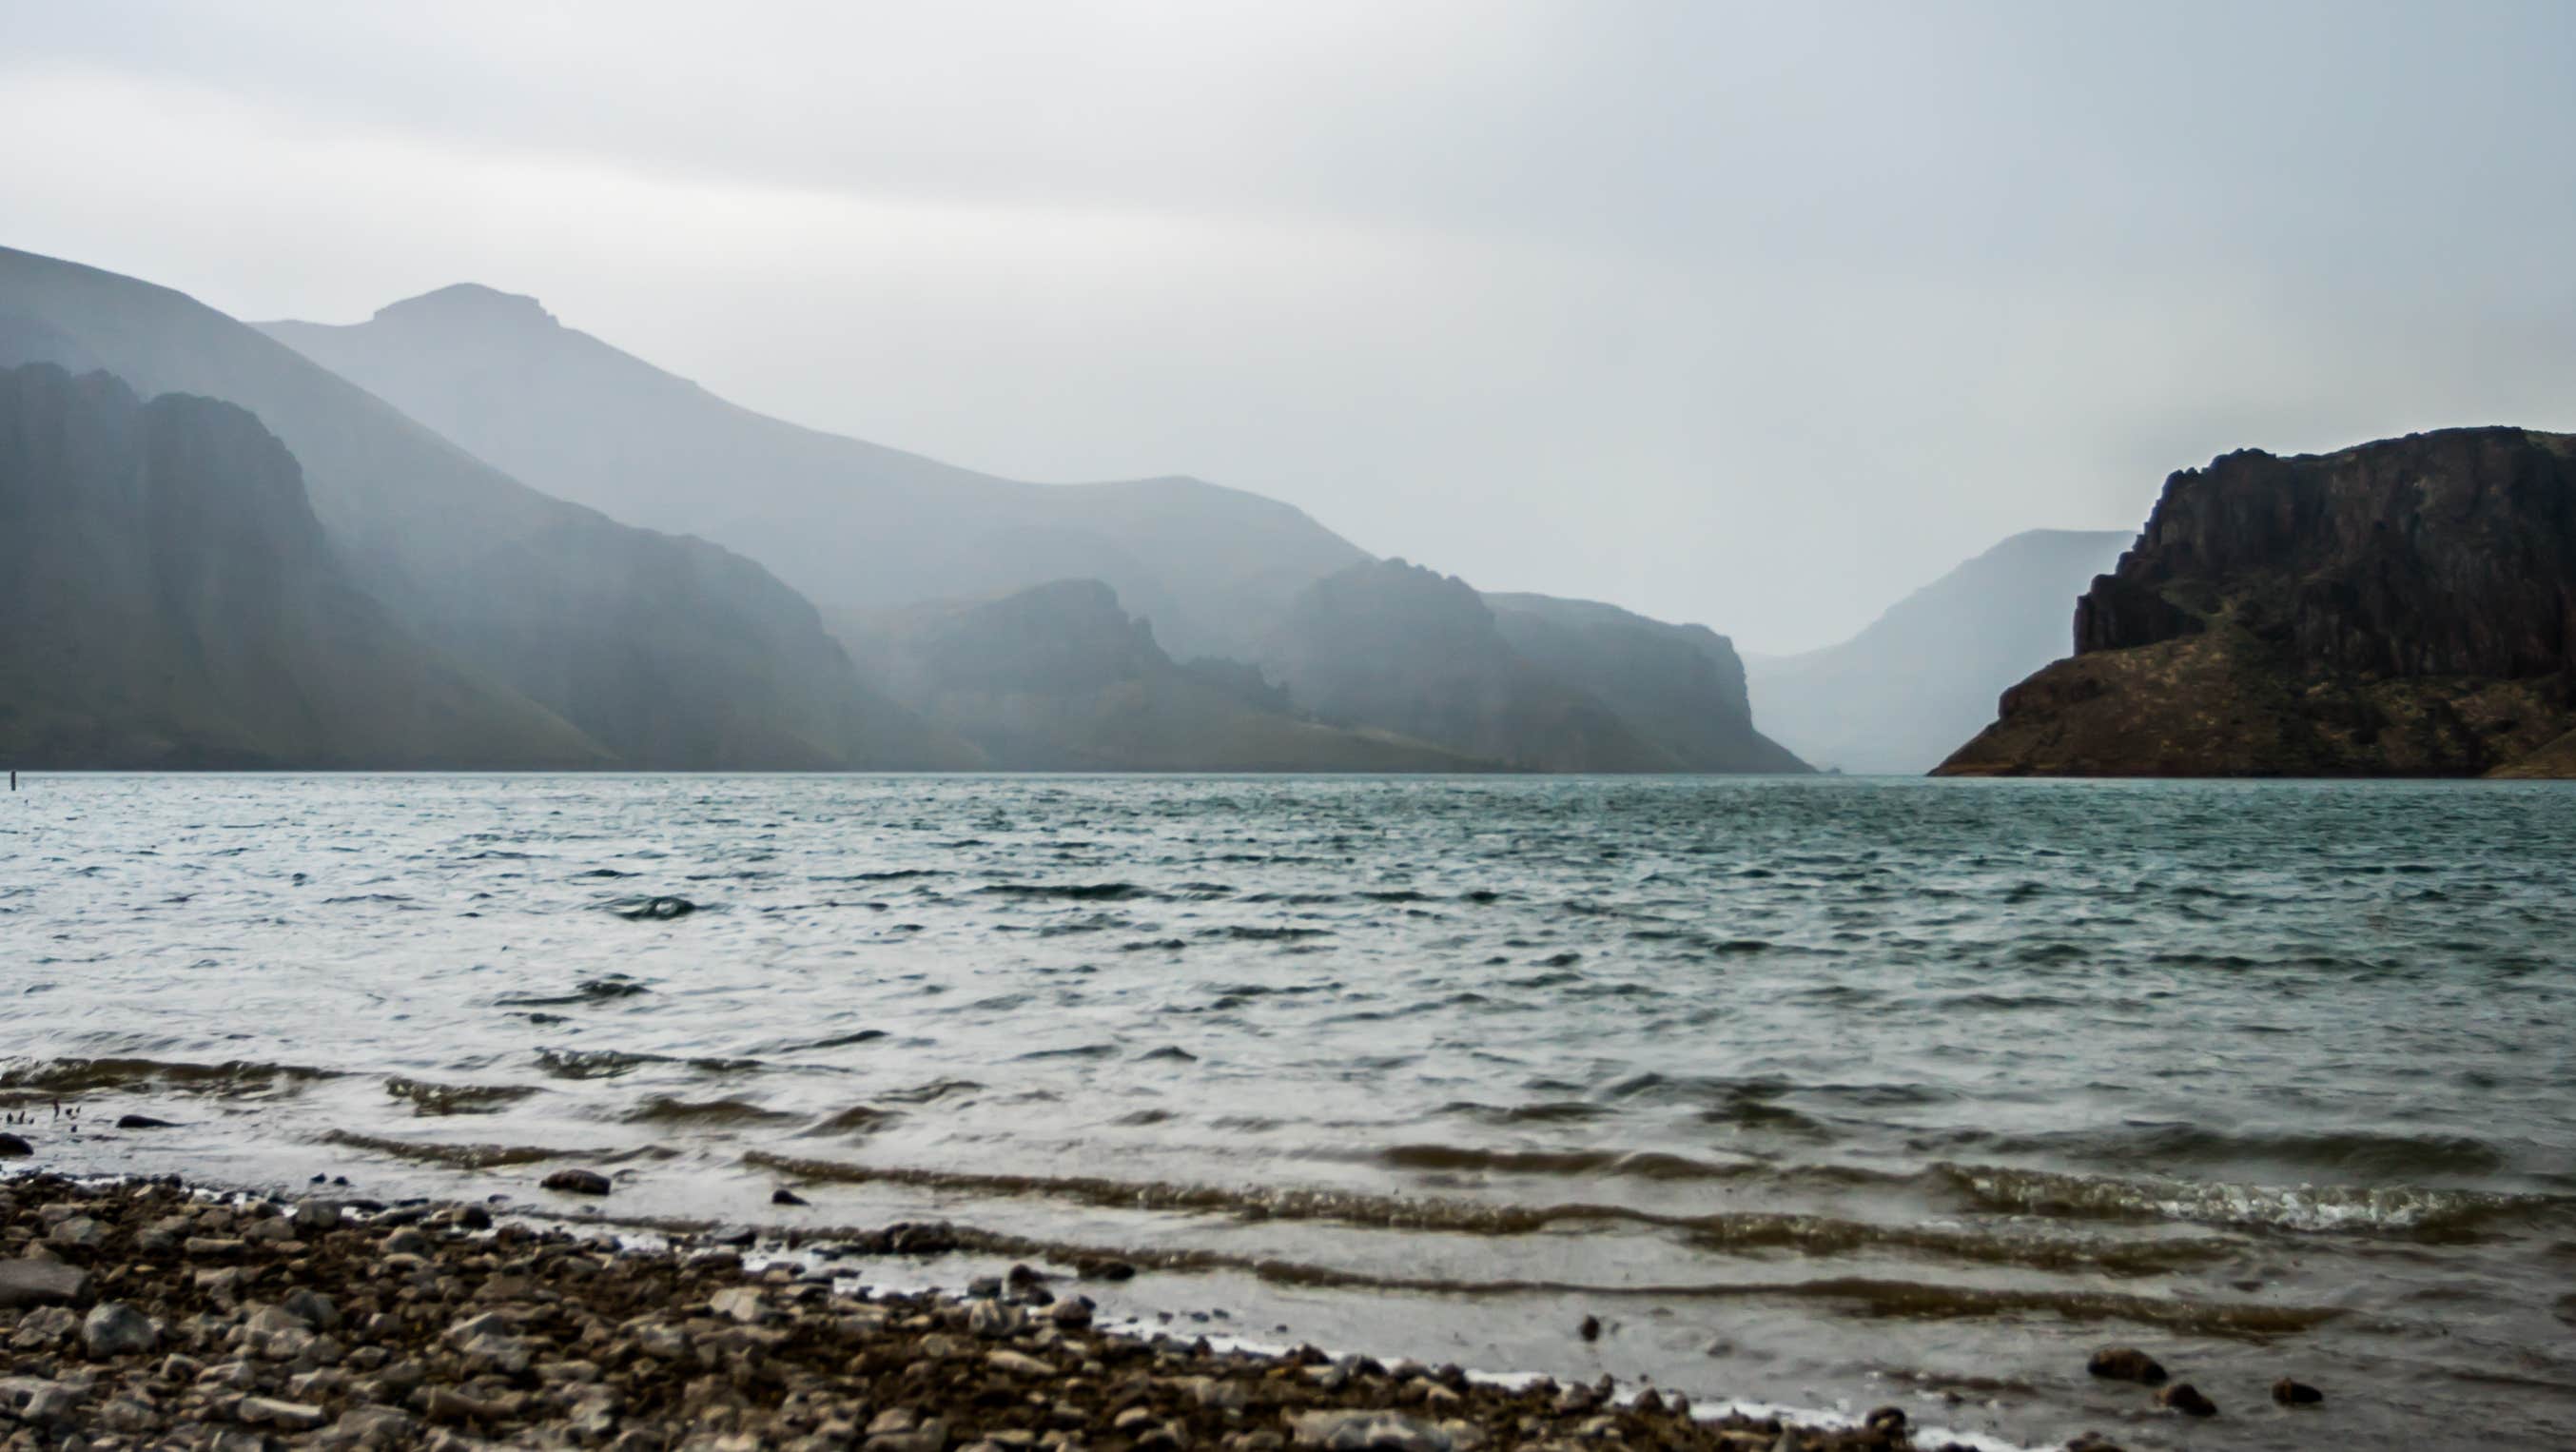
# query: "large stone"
{"type": "Point", "coordinates": [114, 1328]}
{"type": "Point", "coordinates": [34, 1282]}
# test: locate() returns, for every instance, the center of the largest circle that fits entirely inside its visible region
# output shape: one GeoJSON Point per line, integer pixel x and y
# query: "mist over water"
{"type": "Point", "coordinates": [1823, 1091]}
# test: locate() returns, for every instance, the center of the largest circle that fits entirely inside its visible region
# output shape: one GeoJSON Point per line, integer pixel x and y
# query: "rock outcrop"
{"type": "Point", "coordinates": [2402, 608]}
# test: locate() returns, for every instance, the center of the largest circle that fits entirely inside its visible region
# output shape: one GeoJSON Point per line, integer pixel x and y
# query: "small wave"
{"type": "Point", "coordinates": [934, 1091]}
{"type": "Point", "coordinates": [1072, 891]}
{"type": "Point", "coordinates": [1551, 1111]}
{"type": "Point", "coordinates": [232, 1079]}
{"type": "Point", "coordinates": [652, 909]}
{"type": "Point", "coordinates": [1241, 934]}
{"type": "Point", "coordinates": [855, 1120]}
{"type": "Point", "coordinates": [590, 990]}
{"type": "Point", "coordinates": [1638, 1164]}
{"type": "Point", "coordinates": [661, 1109]}
{"type": "Point", "coordinates": [2385, 1209]}
{"type": "Point", "coordinates": [453, 1156]}
{"type": "Point", "coordinates": [611, 1063]}
{"type": "Point", "coordinates": [836, 1041]}
{"type": "Point", "coordinates": [428, 1099]}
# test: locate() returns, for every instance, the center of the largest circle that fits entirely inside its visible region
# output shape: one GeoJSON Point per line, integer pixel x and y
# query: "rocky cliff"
{"type": "Point", "coordinates": [167, 599]}
{"type": "Point", "coordinates": [2406, 607]}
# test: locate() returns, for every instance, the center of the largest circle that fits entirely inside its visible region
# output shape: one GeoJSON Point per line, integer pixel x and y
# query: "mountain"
{"type": "Point", "coordinates": [167, 599]}
{"type": "Point", "coordinates": [1899, 696]}
{"type": "Point", "coordinates": [666, 652]}
{"type": "Point", "coordinates": [1059, 678]}
{"type": "Point", "coordinates": [2401, 608]}
{"type": "Point", "coordinates": [1400, 648]}
{"type": "Point", "coordinates": [855, 526]}
{"type": "Point", "coordinates": [1680, 687]}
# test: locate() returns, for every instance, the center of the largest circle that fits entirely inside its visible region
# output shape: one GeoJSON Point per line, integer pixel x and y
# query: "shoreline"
{"type": "Point", "coordinates": [151, 1313]}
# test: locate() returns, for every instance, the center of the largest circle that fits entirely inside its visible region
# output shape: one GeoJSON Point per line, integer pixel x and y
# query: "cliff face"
{"type": "Point", "coordinates": [1060, 678]}
{"type": "Point", "coordinates": [167, 599]}
{"type": "Point", "coordinates": [2405, 607]}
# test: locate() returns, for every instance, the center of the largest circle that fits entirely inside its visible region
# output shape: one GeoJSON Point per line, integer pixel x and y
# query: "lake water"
{"type": "Point", "coordinates": [1819, 1093]}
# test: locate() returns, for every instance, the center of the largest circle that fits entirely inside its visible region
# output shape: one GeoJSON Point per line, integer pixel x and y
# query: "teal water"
{"type": "Point", "coordinates": [1818, 1093]}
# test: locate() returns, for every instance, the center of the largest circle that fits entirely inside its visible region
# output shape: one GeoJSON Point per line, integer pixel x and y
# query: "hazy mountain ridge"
{"type": "Point", "coordinates": [853, 525]}
{"type": "Point", "coordinates": [666, 651]}
{"type": "Point", "coordinates": [2403, 607]}
{"type": "Point", "coordinates": [1902, 694]}
{"type": "Point", "coordinates": [168, 599]}
{"type": "Point", "coordinates": [1059, 678]}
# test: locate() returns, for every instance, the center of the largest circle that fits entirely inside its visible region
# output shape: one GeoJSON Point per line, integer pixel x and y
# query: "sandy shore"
{"type": "Point", "coordinates": [145, 1314]}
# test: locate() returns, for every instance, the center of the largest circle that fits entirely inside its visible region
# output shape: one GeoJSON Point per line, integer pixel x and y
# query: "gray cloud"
{"type": "Point", "coordinates": [1755, 316]}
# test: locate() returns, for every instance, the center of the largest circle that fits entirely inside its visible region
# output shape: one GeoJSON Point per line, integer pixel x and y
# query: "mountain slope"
{"type": "Point", "coordinates": [668, 652]}
{"type": "Point", "coordinates": [1922, 678]}
{"type": "Point", "coordinates": [1680, 687]}
{"type": "Point", "coordinates": [2405, 607]}
{"type": "Point", "coordinates": [855, 526]}
{"type": "Point", "coordinates": [167, 599]}
{"type": "Point", "coordinates": [1059, 678]}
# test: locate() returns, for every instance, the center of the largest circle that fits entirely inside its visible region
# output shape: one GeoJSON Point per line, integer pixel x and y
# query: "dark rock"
{"type": "Point", "coordinates": [1590, 1330]}
{"type": "Point", "coordinates": [1103, 1268]}
{"type": "Point", "coordinates": [2126, 1363]}
{"type": "Point", "coordinates": [578, 1182]}
{"type": "Point", "coordinates": [12, 1147]}
{"type": "Point", "coordinates": [1885, 1419]}
{"type": "Point", "coordinates": [785, 1196]}
{"type": "Point", "coordinates": [2185, 1398]}
{"type": "Point", "coordinates": [146, 1121]}
{"type": "Point", "coordinates": [2296, 1393]}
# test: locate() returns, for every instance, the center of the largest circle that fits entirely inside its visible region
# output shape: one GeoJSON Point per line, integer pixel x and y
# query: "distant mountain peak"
{"type": "Point", "coordinates": [469, 302]}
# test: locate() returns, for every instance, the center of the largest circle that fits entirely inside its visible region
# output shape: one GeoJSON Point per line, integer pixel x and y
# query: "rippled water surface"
{"type": "Point", "coordinates": [1817, 1093]}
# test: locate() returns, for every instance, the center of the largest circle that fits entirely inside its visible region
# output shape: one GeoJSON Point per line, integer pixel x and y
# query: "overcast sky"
{"type": "Point", "coordinates": [1752, 315]}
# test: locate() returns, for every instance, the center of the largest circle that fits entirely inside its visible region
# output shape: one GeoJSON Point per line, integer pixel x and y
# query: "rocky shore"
{"type": "Point", "coordinates": [146, 1314]}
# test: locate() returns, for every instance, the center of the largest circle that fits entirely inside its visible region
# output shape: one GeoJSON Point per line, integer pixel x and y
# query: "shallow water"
{"type": "Point", "coordinates": [1831, 1092]}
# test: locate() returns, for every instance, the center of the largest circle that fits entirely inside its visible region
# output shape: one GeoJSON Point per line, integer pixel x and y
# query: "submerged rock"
{"type": "Point", "coordinates": [2296, 1393]}
{"type": "Point", "coordinates": [2126, 1363]}
{"type": "Point", "coordinates": [578, 1182]}
{"type": "Point", "coordinates": [2185, 1398]}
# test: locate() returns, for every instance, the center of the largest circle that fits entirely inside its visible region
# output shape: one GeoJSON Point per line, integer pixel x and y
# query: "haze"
{"type": "Point", "coordinates": [1757, 317]}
